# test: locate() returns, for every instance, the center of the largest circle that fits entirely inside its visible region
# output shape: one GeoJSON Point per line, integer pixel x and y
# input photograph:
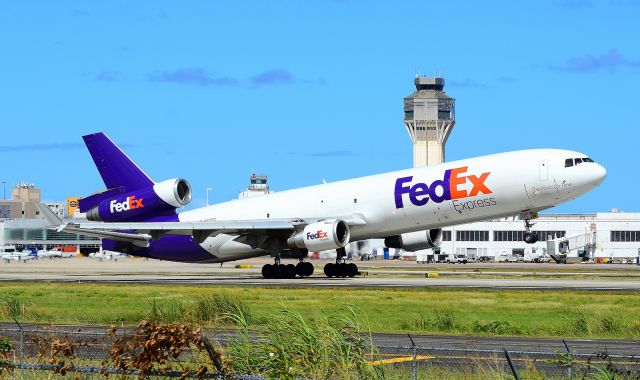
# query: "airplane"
{"type": "Point", "coordinates": [106, 255]}
{"type": "Point", "coordinates": [56, 253]}
{"type": "Point", "coordinates": [21, 256]}
{"type": "Point", "coordinates": [406, 208]}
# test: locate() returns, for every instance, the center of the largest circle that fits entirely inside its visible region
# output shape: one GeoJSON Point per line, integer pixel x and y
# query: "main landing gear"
{"type": "Point", "coordinates": [341, 268]}
{"type": "Point", "coordinates": [278, 270]}
{"type": "Point", "coordinates": [529, 236]}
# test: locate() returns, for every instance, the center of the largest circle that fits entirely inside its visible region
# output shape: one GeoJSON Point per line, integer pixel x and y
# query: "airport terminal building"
{"type": "Point", "coordinates": [599, 237]}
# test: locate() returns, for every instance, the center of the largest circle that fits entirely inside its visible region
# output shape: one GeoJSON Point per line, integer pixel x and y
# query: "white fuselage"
{"type": "Point", "coordinates": [416, 199]}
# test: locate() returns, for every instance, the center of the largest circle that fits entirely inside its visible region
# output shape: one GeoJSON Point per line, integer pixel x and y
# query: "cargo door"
{"type": "Point", "coordinates": [543, 169]}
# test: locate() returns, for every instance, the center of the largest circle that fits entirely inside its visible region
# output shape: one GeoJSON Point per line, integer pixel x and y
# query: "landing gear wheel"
{"type": "Point", "coordinates": [304, 269]}
{"type": "Point", "coordinates": [330, 270]}
{"type": "Point", "coordinates": [352, 270]}
{"type": "Point", "coordinates": [530, 237]}
{"type": "Point", "coordinates": [341, 270]}
{"type": "Point", "coordinates": [309, 269]}
{"type": "Point", "coordinates": [289, 271]}
{"type": "Point", "coordinates": [268, 271]}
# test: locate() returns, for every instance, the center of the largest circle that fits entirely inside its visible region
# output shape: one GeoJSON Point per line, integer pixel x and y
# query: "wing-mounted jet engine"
{"type": "Point", "coordinates": [415, 241]}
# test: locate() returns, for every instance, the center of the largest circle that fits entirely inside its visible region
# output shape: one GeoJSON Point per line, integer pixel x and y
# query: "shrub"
{"type": "Point", "coordinates": [168, 311]}
{"type": "Point", "coordinates": [493, 327]}
{"type": "Point", "coordinates": [610, 324]}
{"type": "Point", "coordinates": [12, 306]}
{"type": "Point", "coordinates": [336, 346]}
{"type": "Point", "coordinates": [577, 323]}
{"type": "Point", "coordinates": [220, 308]}
{"type": "Point", "coordinates": [444, 320]}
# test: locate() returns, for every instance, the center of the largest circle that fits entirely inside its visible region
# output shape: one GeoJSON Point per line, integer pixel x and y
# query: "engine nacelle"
{"type": "Point", "coordinates": [160, 199]}
{"type": "Point", "coordinates": [415, 241]}
{"type": "Point", "coordinates": [322, 236]}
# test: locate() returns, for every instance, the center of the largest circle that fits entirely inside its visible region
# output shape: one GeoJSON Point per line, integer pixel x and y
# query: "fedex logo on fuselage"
{"type": "Point", "coordinates": [318, 235]}
{"type": "Point", "coordinates": [131, 203]}
{"type": "Point", "coordinates": [446, 189]}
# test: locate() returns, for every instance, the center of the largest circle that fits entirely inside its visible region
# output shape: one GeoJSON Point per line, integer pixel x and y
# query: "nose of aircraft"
{"type": "Point", "coordinates": [598, 173]}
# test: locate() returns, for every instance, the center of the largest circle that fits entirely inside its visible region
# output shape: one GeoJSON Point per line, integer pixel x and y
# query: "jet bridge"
{"type": "Point", "coordinates": [561, 249]}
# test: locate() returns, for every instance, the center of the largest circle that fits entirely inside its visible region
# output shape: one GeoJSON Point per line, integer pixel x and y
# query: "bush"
{"type": "Point", "coordinates": [493, 327]}
{"type": "Point", "coordinates": [577, 323]}
{"type": "Point", "coordinates": [444, 320]}
{"type": "Point", "coordinates": [168, 311]}
{"type": "Point", "coordinates": [335, 347]}
{"type": "Point", "coordinates": [5, 345]}
{"type": "Point", "coordinates": [12, 306]}
{"type": "Point", "coordinates": [610, 324]}
{"type": "Point", "coordinates": [220, 308]}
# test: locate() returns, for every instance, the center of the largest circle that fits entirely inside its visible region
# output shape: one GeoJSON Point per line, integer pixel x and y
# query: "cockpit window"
{"type": "Point", "coordinates": [576, 161]}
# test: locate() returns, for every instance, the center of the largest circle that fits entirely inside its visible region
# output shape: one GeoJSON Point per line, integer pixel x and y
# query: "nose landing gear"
{"type": "Point", "coordinates": [529, 236]}
{"type": "Point", "coordinates": [340, 268]}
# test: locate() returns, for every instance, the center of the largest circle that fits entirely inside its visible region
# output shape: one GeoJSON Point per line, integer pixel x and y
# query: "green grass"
{"type": "Point", "coordinates": [446, 311]}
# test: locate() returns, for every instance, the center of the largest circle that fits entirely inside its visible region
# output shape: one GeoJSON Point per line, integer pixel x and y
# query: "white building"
{"type": "Point", "coordinates": [613, 234]}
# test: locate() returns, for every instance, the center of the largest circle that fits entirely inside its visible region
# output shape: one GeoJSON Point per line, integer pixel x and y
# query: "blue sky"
{"type": "Point", "coordinates": [310, 90]}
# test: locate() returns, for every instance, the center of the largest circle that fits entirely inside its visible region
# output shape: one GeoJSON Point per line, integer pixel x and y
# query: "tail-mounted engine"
{"type": "Point", "coordinates": [415, 241]}
{"type": "Point", "coordinates": [160, 199]}
{"type": "Point", "coordinates": [321, 236]}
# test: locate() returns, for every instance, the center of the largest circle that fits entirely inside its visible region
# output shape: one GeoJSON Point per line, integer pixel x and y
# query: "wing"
{"type": "Point", "coordinates": [146, 231]}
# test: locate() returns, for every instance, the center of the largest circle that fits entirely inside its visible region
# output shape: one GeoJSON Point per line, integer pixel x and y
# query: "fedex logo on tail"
{"type": "Point", "coordinates": [131, 203]}
{"type": "Point", "coordinates": [446, 189]}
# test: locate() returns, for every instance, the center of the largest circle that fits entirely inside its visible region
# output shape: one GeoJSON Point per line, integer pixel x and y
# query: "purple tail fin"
{"type": "Point", "coordinates": [115, 167]}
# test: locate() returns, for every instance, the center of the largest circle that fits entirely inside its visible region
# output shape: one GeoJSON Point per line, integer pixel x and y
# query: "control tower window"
{"type": "Point", "coordinates": [444, 115]}
{"type": "Point", "coordinates": [568, 162]}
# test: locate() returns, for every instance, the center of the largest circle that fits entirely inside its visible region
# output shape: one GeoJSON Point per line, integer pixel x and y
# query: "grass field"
{"type": "Point", "coordinates": [444, 311]}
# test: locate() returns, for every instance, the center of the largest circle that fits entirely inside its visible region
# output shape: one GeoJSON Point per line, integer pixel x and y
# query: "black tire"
{"type": "Point", "coordinates": [290, 271]}
{"type": "Point", "coordinates": [530, 237]}
{"type": "Point", "coordinates": [352, 270]}
{"type": "Point", "coordinates": [330, 270]}
{"type": "Point", "coordinates": [301, 269]}
{"type": "Point", "coordinates": [267, 271]}
{"type": "Point", "coordinates": [341, 270]}
{"type": "Point", "coordinates": [309, 269]}
{"type": "Point", "coordinates": [280, 271]}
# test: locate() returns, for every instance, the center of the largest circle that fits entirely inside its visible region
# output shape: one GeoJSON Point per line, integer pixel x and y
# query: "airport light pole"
{"type": "Point", "coordinates": [4, 193]}
{"type": "Point", "coordinates": [208, 189]}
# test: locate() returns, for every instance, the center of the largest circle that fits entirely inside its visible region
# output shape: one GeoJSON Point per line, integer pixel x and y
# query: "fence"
{"type": "Point", "coordinates": [35, 352]}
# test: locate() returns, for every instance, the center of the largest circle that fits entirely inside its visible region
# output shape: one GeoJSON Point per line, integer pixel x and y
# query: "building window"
{"type": "Point", "coordinates": [519, 235]}
{"type": "Point", "coordinates": [549, 235]}
{"type": "Point", "coordinates": [625, 236]}
{"type": "Point", "coordinates": [472, 235]}
{"type": "Point", "coordinates": [446, 235]}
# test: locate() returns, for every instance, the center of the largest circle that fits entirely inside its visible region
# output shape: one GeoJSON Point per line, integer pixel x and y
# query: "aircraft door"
{"type": "Point", "coordinates": [543, 168]}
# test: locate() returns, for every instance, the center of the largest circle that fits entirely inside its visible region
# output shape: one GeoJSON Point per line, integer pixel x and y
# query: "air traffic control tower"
{"type": "Point", "coordinates": [429, 115]}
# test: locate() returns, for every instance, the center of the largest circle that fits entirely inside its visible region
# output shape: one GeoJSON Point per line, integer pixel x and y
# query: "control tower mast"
{"type": "Point", "coordinates": [429, 116]}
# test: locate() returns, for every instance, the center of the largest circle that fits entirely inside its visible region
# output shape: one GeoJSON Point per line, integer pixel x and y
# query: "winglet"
{"type": "Point", "coordinates": [50, 217]}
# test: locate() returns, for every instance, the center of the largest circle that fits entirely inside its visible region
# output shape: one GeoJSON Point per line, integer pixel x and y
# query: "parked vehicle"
{"type": "Point", "coordinates": [457, 259]}
{"type": "Point", "coordinates": [366, 256]}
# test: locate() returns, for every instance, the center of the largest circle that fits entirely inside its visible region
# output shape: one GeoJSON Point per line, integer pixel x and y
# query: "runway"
{"type": "Point", "coordinates": [135, 271]}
